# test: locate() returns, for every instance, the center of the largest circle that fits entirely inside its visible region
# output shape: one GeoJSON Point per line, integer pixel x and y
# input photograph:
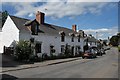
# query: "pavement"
{"type": "Point", "coordinates": [11, 65]}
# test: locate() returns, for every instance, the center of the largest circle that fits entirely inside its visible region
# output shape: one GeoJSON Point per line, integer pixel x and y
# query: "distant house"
{"type": "Point", "coordinates": [46, 36]}
{"type": "Point", "coordinates": [91, 41]}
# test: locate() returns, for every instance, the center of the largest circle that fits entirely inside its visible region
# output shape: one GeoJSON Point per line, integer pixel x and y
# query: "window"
{"type": "Point", "coordinates": [38, 47]}
{"type": "Point", "coordinates": [90, 43]}
{"type": "Point", "coordinates": [35, 28]}
{"type": "Point", "coordinates": [72, 35]}
{"type": "Point", "coordinates": [72, 39]}
{"type": "Point", "coordinates": [62, 38]}
{"type": "Point", "coordinates": [62, 48]}
{"type": "Point", "coordinates": [78, 39]}
{"type": "Point", "coordinates": [52, 50]}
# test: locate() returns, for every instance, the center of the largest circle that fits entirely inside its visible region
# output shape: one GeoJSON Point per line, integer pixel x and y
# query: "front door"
{"type": "Point", "coordinates": [72, 48]}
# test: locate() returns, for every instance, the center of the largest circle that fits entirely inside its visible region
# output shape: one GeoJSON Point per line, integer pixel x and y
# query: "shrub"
{"type": "Point", "coordinates": [23, 50]}
{"type": "Point", "coordinates": [61, 56]}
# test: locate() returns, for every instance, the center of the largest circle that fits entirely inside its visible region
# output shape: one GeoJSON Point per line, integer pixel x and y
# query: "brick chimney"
{"type": "Point", "coordinates": [74, 28]}
{"type": "Point", "coordinates": [40, 17]}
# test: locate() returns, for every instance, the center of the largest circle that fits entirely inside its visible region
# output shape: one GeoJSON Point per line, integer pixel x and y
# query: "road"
{"type": "Point", "coordinates": [105, 66]}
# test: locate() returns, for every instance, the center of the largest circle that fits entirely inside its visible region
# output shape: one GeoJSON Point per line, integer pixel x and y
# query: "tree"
{"type": "Point", "coordinates": [4, 17]}
{"type": "Point", "coordinates": [118, 34]}
{"type": "Point", "coordinates": [114, 40]}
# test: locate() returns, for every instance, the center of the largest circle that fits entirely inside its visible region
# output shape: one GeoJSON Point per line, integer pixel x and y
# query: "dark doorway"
{"type": "Point", "coordinates": [72, 48]}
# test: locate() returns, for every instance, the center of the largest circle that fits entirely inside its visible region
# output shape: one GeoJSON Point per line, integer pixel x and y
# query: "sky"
{"type": "Point", "coordinates": [100, 16]}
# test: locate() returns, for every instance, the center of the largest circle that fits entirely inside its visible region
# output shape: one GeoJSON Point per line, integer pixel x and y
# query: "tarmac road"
{"type": "Point", "coordinates": [105, 66]}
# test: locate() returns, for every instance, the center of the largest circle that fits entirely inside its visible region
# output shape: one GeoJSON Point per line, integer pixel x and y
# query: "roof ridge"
{"type": "Point", "coordinates": [18, 17]}
{"type": "Point", "coordinates": [59, 26]}
{"type": "Point", "coordinates": [45, 23]}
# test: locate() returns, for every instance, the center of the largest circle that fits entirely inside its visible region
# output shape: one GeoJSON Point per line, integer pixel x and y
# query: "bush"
{"type": "Point", "coordinates": [61, 56]}
{"type": "Point", "coordinates": [23, 50]}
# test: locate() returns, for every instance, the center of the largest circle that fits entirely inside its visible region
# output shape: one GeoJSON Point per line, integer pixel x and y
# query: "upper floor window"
{"type": "Point", "coordinates": [62, 36]}
{"type": "Point", "coordinates": [72, 39]}
{"type": "Point", "coordinates": [78, 36]}
{"type": "Point", "coordinates": [79, 39]}
{"type": "Point", "coordinates": [72, 35]}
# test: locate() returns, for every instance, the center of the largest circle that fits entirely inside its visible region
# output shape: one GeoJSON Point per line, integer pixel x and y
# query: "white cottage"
{"type": "Point", "coordinates": [46, 36]}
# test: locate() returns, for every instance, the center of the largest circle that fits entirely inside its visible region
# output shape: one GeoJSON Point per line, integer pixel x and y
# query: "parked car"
{"type": "Point", "coordinates": [98, 51]}
{"type": "Point", "coordinates": [107, 48]}
{"type": "Point", "coordinates": [91, 53]}
{"type": "Point", "coordinates": [103, 51]}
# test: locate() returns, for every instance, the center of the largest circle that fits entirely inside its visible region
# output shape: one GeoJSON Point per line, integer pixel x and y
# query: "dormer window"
{"type": "Point", "coordinates": [34, 28]}
{"type": "Point", "coordinates": [62, 36]}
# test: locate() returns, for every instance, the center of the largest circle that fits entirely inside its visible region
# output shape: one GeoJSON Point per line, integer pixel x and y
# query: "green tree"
{"type": "Point", "coordinates": [4, 17]}
{"type": "Point", "coordinates": [114, 40]}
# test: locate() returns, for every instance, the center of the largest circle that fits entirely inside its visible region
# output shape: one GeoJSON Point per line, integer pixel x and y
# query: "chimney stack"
{"type": "Point", "coordinates": [40, 17]}
{"type": "Point", "coordinates": [74, 28]}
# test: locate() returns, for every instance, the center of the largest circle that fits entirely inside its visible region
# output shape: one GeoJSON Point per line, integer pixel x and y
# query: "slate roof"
{"type": "Point", "coordinates": [45, 28]}
{"type": "Point", "coordinates": [91, 39]}
{"type": "Point", "coordinates": [19, 22]}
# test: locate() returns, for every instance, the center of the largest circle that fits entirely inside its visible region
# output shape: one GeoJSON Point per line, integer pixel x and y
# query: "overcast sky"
{"type": "Point", "coordinates": [100, 16]}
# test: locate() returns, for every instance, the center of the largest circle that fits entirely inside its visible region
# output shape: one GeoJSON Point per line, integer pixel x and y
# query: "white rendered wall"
{"type": "Point", "coordinates": [10, 33]}
{"type": "Point", "coordinates": [1, 43]}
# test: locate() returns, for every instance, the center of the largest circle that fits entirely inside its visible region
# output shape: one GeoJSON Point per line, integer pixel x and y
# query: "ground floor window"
{"type": "Point", "coordinates": [38, 48]}
{"type": "Point", "coordinates": [52, 50]}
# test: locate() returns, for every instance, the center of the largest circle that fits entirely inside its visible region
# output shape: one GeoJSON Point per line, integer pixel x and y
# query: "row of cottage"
{"type": "Point", "coordinates": [46, 36]}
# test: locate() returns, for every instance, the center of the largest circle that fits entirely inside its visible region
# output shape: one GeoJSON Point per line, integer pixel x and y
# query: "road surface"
{"type": "Point", "coordinates": [105, 66]}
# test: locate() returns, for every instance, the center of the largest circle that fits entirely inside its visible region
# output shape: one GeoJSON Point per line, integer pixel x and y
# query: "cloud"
{"type": "Point", "coordinates": [58, 9]}
{"type": "Point", "coordinates": [60, 0]}
{"type": "Point", "coordinates": [31, 15]}
{"type": "Point", "coordinates": [102, 33]}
